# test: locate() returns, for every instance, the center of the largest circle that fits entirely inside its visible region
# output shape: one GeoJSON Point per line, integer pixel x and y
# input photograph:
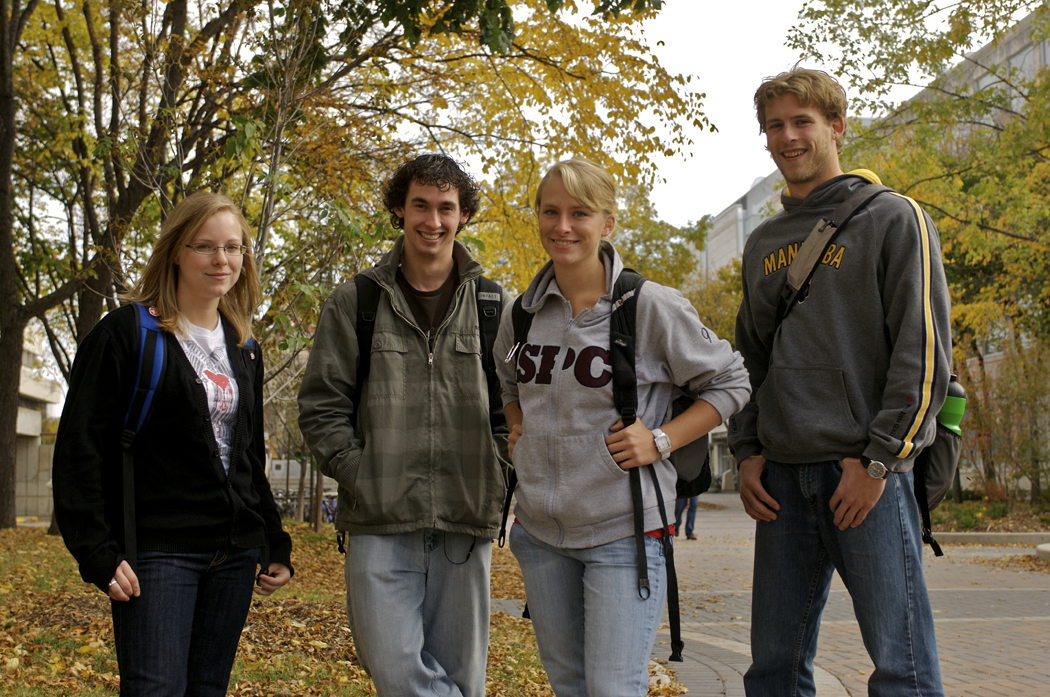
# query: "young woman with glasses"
{"type": "Point", "coordinates": [205, 519]}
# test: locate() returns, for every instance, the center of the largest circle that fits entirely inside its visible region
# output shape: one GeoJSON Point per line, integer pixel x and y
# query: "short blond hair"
{"type": "Point", "coordinates": [159, 282]}
{"type": "Point", "coordinates": [809, 87]}
{"type": "Point", "coordinates": [587, 182]}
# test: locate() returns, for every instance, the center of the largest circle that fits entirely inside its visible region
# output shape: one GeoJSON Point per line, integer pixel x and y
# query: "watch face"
{"type": "Point", "coordinates": [663, 442]}
{"type": "Point", "coordinates": [876, 470]}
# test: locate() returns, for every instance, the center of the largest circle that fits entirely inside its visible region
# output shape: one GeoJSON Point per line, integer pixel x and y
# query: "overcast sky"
{"type": "Point", "coordinates": [729, 48]}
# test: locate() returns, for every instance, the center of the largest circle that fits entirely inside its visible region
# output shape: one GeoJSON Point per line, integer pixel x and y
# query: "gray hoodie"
{"type": "Point", "coordinates": [861, 367]}
{"type": "Point", "coordinates": [571, 493]}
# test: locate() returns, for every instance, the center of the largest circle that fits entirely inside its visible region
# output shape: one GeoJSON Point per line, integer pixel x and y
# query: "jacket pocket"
{"type": "Point", "coordinates": [387, 372]}
{"type": "Point", "coordinates": [808, 408]}
{"type": "Point", "coordinates": [471, 383]}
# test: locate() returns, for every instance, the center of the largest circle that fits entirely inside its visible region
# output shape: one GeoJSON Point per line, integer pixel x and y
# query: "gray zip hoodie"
{"type": "Point", "coordinates": [570, 492]}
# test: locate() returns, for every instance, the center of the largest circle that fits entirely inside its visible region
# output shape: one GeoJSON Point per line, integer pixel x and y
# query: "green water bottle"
{"type": "Point", "coordinates": [954, 406]}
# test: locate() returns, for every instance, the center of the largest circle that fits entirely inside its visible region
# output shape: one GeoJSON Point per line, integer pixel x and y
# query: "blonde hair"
{"type": "Point", "coordinates": [585, 181]}
{"type": "Point", "coordinates": [809, 87]}
{"type": "Point", "coordinates": [159, 281]}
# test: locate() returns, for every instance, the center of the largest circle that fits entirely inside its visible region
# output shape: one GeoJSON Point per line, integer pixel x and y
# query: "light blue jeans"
{"type": "Point", "coordinates": [880, 562]}
{"type": "Point", "coordinates": [595, 633]}
{"type": "Point", "coordinates": [418, 605]}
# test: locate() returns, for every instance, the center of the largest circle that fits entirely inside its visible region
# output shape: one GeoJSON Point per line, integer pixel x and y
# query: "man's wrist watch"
{"type": "Point", "coordinates": [663, 443]}
{"type": "Point", "coordinates": [876, 470]}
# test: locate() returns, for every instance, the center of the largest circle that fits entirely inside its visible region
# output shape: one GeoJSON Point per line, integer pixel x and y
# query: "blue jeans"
{"type": "Point", "coordinates": [594, 632]}
{"type": "Point", "coordinates": [179, 637]}
{"type": "Point", "coordinates": [880, 562]}
{"type": "Point", "coordinates": [418, 605]}
{"type": "Point", "coordinates": [679, 507]}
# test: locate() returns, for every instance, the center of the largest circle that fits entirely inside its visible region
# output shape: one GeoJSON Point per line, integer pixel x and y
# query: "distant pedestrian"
{"type": "Point", "coordinates": [679, 507]}
{"type": "Point", "coordinates": [205, 519]}
{"type": "Point", "coordinates": [574, 536]}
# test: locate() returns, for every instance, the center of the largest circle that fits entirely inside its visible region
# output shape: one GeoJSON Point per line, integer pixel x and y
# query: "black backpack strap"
{"type": "Point", "coordinates": [921, 498]}
{"type": "Point", "coordinates": [368, 292]}
{"type": "Point", "coordinates": [805, 262]}
{"type": "Point", "coordinates": [622, 325]}
{"type": "Point", "coordinates": [490, 310]}
{"type": "Point", "coordinates": [147, 377]}
{"type": "Point", "coordinates": [521, 321]}
{"type": "Point", "coordinates": [674, 618]}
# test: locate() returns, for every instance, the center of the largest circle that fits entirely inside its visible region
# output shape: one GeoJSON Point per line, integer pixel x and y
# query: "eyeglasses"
{"type": "Point", "coordinates": [232, 250]}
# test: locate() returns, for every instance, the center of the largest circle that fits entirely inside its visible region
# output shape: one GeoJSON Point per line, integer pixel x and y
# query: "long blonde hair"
{"type": "Point", "coordinates": [159, 282]}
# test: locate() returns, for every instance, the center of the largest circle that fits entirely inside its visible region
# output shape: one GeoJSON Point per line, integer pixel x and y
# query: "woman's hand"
{"type": "Point", "coordinates": [272, 577]}
{"type": "Point", "coordinates": [125, 584]}
{"type": "Point", "coordinates": [633, 446]}
{"type": "Point", "coordinates": [512, 438]}
{"type": "Point", "coordinates": [514, 418]}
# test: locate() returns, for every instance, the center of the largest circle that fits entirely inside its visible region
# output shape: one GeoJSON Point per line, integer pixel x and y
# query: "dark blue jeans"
{"type": "Point", "coordinates": [880, 562]}
{"type": "Point", "coordinates": [179, 637]}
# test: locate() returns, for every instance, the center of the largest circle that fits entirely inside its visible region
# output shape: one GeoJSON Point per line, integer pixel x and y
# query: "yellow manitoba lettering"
{"type": "Point", "coordinates": [792, 252]}
{"type": "Point", "coordinates": [769, 264]}
{"type": "Point", "coordinates": [828, 254]}
{"type": "Point", "coordinates": [838, 258]}
{"type": "Point", "coordinates": [781, 259]}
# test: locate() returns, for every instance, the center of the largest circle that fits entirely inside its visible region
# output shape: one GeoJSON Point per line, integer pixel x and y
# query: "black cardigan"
{"type": "Point", "coordinates": [185, 502]}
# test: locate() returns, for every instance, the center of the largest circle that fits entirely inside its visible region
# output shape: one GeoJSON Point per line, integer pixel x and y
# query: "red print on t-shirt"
{"type": "Point", "coordinates": [220, 380]}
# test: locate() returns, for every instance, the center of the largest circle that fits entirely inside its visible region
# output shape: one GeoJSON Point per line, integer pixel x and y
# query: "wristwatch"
{"type": "Point", "coordinates": [876, 470]}
{"type": "Point", "coordinates": [663, 443]}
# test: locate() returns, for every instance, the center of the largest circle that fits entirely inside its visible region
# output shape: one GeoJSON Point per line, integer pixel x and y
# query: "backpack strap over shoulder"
{"type": "Point", "coordinates": [521, 320]}
{"type": "Point", "coordinates": [368, 292]}
{"type": "Point", "coordinates": [490, 310]}
{"type": "Point", "coordinates": [147, 376]}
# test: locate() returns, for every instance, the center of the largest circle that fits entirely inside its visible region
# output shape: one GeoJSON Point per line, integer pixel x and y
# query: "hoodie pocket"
{"type": "Point", "coordinates": [809, 406]}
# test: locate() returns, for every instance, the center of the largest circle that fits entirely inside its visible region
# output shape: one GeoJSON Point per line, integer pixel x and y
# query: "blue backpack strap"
{"type": "Point", "coordinates": [147, 377]}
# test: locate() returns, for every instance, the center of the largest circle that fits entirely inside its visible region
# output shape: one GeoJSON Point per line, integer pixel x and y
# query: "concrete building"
{"type": "Point", "coordinates": [33, 453]}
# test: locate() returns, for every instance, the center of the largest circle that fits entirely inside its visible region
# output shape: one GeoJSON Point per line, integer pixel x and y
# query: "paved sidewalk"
{"type": "Point", "coordinates": [993, 624]}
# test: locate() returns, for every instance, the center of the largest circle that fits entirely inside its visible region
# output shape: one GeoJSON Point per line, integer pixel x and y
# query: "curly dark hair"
{"type": "Point", "coordinates": [430, 170]}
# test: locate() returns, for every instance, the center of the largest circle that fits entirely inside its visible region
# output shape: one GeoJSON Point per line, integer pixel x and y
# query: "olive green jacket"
{"type": "Point", "coordinates": [423, 453]}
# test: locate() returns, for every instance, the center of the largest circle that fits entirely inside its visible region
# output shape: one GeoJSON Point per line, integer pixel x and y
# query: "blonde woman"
{"type": "Point", "coordinates": [574, 535]}
{"type": "Point", "coordinates": [205, 519]}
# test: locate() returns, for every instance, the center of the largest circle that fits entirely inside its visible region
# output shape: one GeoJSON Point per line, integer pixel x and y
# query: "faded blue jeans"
{"type": "Point", "coordinates": [594, 632]}
{"type": "Point", "coordinates": [880, 562]}
{"type": "Point", "coordinates": [418, 605]}
{"type": "Point", "coordinates": [179, 637]}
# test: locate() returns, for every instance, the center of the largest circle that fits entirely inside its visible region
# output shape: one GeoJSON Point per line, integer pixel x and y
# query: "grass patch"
{"type": "Point", "coordinates": [989, 516]}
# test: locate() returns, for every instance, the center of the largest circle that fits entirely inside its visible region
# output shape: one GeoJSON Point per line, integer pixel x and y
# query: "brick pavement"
{"type": "Point", "coordinates": [993, 623]}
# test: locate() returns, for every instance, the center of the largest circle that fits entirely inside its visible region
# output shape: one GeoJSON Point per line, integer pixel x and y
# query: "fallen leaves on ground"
{"type": "Point", "coordinates": [57, 637]}
{"type": "Point", "coordinates": [1018, 562]}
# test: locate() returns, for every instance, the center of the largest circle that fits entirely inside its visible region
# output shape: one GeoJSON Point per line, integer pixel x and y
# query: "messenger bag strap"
{"type": "Point", "coordinates": [802, 267]}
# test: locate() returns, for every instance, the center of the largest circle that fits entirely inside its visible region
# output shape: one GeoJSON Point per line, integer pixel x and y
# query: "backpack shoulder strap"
{"type": "Point", "coordinates": [801, 269]}
{"type": "Point", "coordinates": [368, 292]}
{"type": "Point", "coordinates": [147, 376]}
{"type": "Point", "coordinates": [622, 330]}
{"type": "Point", "coordinates": [490, 310]}
{"type": "Point", "coordinates": [521, 320]}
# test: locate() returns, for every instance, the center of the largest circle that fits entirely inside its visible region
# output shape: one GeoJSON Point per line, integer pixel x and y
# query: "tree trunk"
{"type": "Point", "coordinates": [300, 499]}
{"type": "Point", "coordinates": [957, 487]}
{"type": "Point", "coordinates": [318, 498]}
{"type": "Point", "coordinates": [10, 375]}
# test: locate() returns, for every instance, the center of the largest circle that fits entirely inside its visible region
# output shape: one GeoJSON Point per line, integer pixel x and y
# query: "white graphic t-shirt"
{"type": "Point", "coordinates": [206, 349]}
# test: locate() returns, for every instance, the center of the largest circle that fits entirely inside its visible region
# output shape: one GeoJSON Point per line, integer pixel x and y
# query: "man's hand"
{"type": "Point", "coordinates": [856, 494]}
{"type": "Point", "coordinates": [757, 501]}
{"type": "Point", "coordinates": [633, 446]}
{"type": "Point", "coordinates": [514, 418]}
{"type": "Point", "coordinates": [272, 578]}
